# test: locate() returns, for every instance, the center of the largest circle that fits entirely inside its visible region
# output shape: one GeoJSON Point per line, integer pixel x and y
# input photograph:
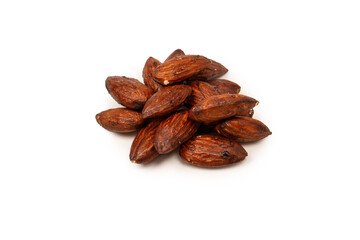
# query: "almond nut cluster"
{"type": "Point", "coordinates": [183, 103]}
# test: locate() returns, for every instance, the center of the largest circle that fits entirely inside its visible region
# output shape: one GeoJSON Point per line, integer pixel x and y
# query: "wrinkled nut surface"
{"type": "Point", "coordinates": [223, 86]}
{"type": "Point", "coordinates": [147, 74]}
{"type": "Point", "coordinates": [120, 120]}
{"type": "Point", "coordinates": [166, 100]}
{"type": "Point", "coordinates": [129, 92]}
{"type": "Point", "coordinates": [212, 151]}
{"type": "Point", "coordinates": [213, 70]}
{"type": "Point", "coordinates": [173, 131]}
{"type": "Point", "coordinates": [200, 91]}
{"type": "Point", "coordinates": [179, 68]}
{"type": "Point", "coordinates": [219, 107]}
{"type": "Point", "coordinates": [177, 52]}
{"type": "Point", "coordinates": [243, 129]}
{"type": "Point", "coordinates": [142, 149]}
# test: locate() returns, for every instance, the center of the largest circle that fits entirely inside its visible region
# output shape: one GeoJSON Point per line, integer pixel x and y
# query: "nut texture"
{"type": "Point", "coordinates": [223, 86]}
{"type": "Point", "coordinates": [150, 65]}
{"type": "Point", "coordinates": [179, 68]}
{"type": "Point", "coordinates": [142, 149]}
{"type": "Point", "coordinates": [221, 106]}
{"type": "Point", "coordinates": [173, 131]}
{"type": "Point", "coordinates": [200, 91]}
{"type": "Point", "coordinates": [213, 70]}
{"type": "Point", "coordinates": [247, 113]}
{"type": "Point", "coordinates": [212, 151]}
{"type": "Point", "coordinates": [166, 100]}
{"type": "Point", "coordinates": [243, 129]}
{"type": "Point", "coordinates": [129, 92]}
{"type": "Point", "coordinates": [177, 52]}
{"type": "Point", "coordinates": [120, 120]}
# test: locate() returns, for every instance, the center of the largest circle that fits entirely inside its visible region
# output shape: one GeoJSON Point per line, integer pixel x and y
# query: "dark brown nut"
{"type": "Point", "coordinates": [212, 151]}
{"type": "Point", "coordinates": [120, 120]}
{"type": "Point", "coordinates": [243, 129]}
{"type": "Point", "coordinates": [173, 131]}
{"type": "Point", "coordinates": [223, 86]}
{"type": "Point", "coordinates": [213, 70]}
{"type": "Point", "coordinates": [142, 149]}
{"type": "Point", "coordinates": [200, 91]}
{"type": "Point", "coordinates": [166, 100]}
{"type": "Point", "coordinates": [129, 92]}
{"type": "Point", "coordinates": [148, 70]}
{"type": "Point", "coordinates": [220, 107]}
{"type": "Point", "coordinates": [247, 113]}
{"type": "Point", "coordinates": [179, 68]}
{"type": "Point", "coordinates": [177, 52]}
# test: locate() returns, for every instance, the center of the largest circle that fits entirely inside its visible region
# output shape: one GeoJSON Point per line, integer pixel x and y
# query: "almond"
{"type": "Point", "coordinates": [223, 86]}
{"type": "Point", "coordinates": [166, 100]}
{"type": "Point", "coordinates": [221, 106]}
{"type": "Point", "coordinates": [200, 91]}
{"type": "Point", "coordinates": [212, 151]}
{"type": "Point", "coordinates": [177, 52]}
{"type": "Point", "coordinates": [142, 149]}
{"type": "Point", "coordinates": [120, 120]}
{"type": "Point", "coordinates": [148, 70]}
{"type": "Point", "coordinates": [173, 131]}
{"type": "Point", "coordinates": [247, 113]}
{"type": "Point", "coordinates": [243, 129]}
{"type": "Point", "coordinates": [213, 70]}
{"type": "Point", "coordinates": [129, 92]}
{"type": "Point", "coordinates": [179, 68]}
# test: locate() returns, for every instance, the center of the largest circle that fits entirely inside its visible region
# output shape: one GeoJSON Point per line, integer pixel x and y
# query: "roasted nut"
{"type": "Point", "coordinates": [148, 70]}
{"type": "Point", "coordinates": [200, 91]}
{"type": "Point", "coordinates": [223, 86]}
{"type": "Point", "coordinates": [213, 70]}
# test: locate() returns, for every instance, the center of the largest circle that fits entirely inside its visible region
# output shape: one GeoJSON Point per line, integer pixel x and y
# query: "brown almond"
{"type": "Point", "coordinates": [213, 70]}
{"type": "Point", "coordinates": [223, 86]}
{"type": "Point", "coordinates": [179, 68]}
{"type": "Point", "coordinates": [173, 131]}
{"type": "Point", "coordinates": [120, 120]}
{"type": "Point", "coordinates": [166, 100]}
{"type": "Point", "coordinates": [247, 113]}
{"type": "Point", "coordinates": [142, 149]}
{"type": "Point", "coordinates": [220, 107]}
{"type": "Point", "coordinates": [150, 65]}
{"type": "Point", "coordinates": [200, 91]}
{"type": "Point", "coordinates": [129, 92]}
{"type": "Point", "coordinates": [243, 129]}
{"type": "Point", "coordinates": [177, 52]}
{"type": "Point", "coordinates": [212, 151]}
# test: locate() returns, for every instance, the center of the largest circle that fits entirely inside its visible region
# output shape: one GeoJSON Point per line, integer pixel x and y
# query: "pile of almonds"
{"type": "Point", "coordinates": [183, 104]}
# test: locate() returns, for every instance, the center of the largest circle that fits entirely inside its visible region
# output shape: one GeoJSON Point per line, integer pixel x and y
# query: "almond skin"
{"type": "Point", "coordinates": [173, 131]}
{"type": "Point", "coordinates": [166, 100]}
{"type": "Point", "coordinates": [221, 106]}
{"type": "Point", "coordinates": [129, 92]}
{"type": "Point", "coordinates": [200, 91]}
{"type": "Point", "coordinates": [212, 151]}
{"type": "Point", "coordinates": [177, 52]}
{"type": "Point", "coordinates": [150, 65]}
{"type": "Point", "coordinates": [243, 129]}
{"type": "Point", "coordinates": [142, 149]}
{"type": "Point", "coordinates": [223, 86]}
{"type": "Point", "coordinates": [213, 70]}
{"type": "Point", "coordinates": [179, 68]}
{"type": "Point", "coordinates": [247, 113]}
{"type": "Point", "coordinates": [120, 120]}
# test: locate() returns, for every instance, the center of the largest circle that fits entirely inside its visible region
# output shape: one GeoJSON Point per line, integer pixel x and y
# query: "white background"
{"type": "Point", "coordinates": [64, 177]}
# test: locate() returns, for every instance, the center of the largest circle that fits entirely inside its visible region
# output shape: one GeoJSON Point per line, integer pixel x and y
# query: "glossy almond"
{"type": "Point", "coordinates": [179, 68]}
{"type": "Point", "coordinates": [223, 86]}
{"type": "Point", "coordinates": [243, 129]}
{"type": "Point", "coordinates": [212, 151]}
{"type": "Point", "coordinates": [166, 100]}
{"type": "Point", "coordinates": [247, 113]}
{"type": "Point", "coordinates": [142, 149]}
{"type": "Point", "coordinates": [213, 70]}
{"type": "Point", "coordinates": [147, 74]}
{"type": "Point", "coordinates": [173, 131]}
{"type": "Point", "coordinates": [200, 91]}
{"type": "Point", "coordinates": [177, 52]}
{"type": "Point", "coordinates": [120, 120]}
{"type": "Point", "coordinates": [129, 92]}
{"type": "Point", "coordinates": [221, 106]}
